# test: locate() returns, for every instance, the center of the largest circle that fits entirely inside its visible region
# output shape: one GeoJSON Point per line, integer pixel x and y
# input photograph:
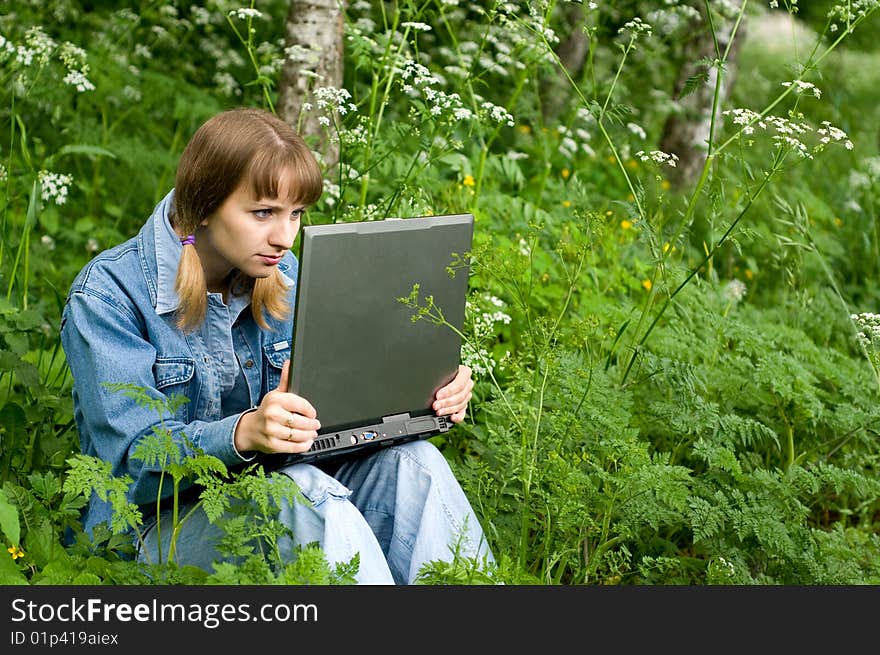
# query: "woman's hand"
{"type": "Point", "coordinates": [283, 423]}
{"type": "Point", "coordinates": [452, 400]}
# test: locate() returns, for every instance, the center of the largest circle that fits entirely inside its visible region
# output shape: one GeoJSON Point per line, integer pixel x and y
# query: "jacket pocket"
{"type": "Point", "coordinates": [174, 377]}
{"type": "Point", "coordinates": [274, 356]}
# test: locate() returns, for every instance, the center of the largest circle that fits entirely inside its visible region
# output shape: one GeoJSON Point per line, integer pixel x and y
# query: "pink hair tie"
{"type": "Point", "coordinates": [188, 240]}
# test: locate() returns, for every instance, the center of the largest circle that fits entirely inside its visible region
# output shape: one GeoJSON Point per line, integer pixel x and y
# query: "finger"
{"type": "Point", "coordinates": [282, 383]}
{"type": "Point", "coordinates": [461, 381]}
{"type": "Point", "coordinates": [295, 435]}
{"type": "Point", "coordinates": [458, 417]}
{"type": "Point", "coordinates": [298, 405]}
{"type": "Point", "coordinates": [460, 397]}
{"type": "Point", "coordinates": [287, 421]}
{"type": "Point", "coordinates": [453, 409]}
{"type": "Point", "coordinates": [299, 444]}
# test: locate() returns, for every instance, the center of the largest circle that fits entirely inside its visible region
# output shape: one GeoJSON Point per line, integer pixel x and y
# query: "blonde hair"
{"type": "Point", "coordinates": [238, 146]}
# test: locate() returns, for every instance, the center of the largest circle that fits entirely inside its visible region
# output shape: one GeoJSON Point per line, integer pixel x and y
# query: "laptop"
{"type": "Point", "coordinates": [370, 371]}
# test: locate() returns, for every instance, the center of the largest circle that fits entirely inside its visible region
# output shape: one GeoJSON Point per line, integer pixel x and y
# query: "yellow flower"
{"type": "Point", "coordinates": [609, 212]}
{"type": "Point", "coordinates": [838, 222]}
{"type": "Point", "coordinates": [625, 224]}
{"type": "Point", "coordinates": [16, 552]}
{"type": "Point", "coordinates": [523, 129]}
{"type": "Point", "coordinates": [632, 163]}
{"type": "Point", "coordinates": [665, 185]}
{"type": "Point", "coordinates": [611, 159]}
{"type": "Point", "coordinates": [667, 247]}
{"type": "Point", "coordinates": [749, 274]}
{"type": "Point", "coordinates": [566, 203]}
{"type": "Point", "coordinates": [468, 180]}
{"type": "Point", "coordinates": [647, 284]}
{"type": "Point", "coordinates": [565, 173]}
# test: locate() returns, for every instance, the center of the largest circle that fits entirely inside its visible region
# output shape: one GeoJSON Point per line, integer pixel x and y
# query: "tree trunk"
{"type": "Point", "coordinates": [313, 59]}
{"type": "Point", "coordinates": [572, 52]}
{"type": "Point", "coordinates": [686, 133]}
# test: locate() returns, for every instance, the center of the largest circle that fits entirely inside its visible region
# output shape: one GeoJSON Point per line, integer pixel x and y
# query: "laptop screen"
{"type": "Point", "coordinates": [357, 354]}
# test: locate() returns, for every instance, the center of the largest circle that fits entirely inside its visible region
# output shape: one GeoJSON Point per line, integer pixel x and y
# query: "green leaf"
{"type": "Point", "coordinates": [84, 225]}
{"type": "Point", "coordinates": [13, 419]}
{"type": "Point", "coordinates": [27, 374]}
{"type": "Point", "coordinates": [84, 149]}
{"type": "Point", "coordinates": [17, 342]}
{"type": "Point", "coordinates": [693, 83]}
{"type": "Point", "coordinates": [9, 520]}
{"type": "Point", "coordinates": [42, 544]}
{"type": "Point", "coordinates": [9, 572]}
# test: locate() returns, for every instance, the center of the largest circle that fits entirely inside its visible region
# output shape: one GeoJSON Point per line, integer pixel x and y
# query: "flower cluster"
{"type": "Point", "coordinates": [485, 313]}
{"type": "Point", "coordinates": [801, 86]}
{"type": "Point", "coordinates": [330, 98]}
{"type": "Point", "coordinates": [636, 28]}
{"type": "Point", "coordinates": [54, 186]}
{"type": "Point", "coordinates": [868, 329]}
{"type": "Point", "coordinates": [674, 19]}
{"type": "Point", "coordinates": [789, 133]}
{"type": "Point", "coordinates": [734, 291]}
{"type": "Point", "coordinates": [245, 13]}
{"type": "Point", "coordinates": [417, 80]}
{"type": "Point", "coordinates": [658, 157]}
{"type": "Point", "coordinates": [851, 12]}
{"type": "Point", "coordinates": [38, 50]}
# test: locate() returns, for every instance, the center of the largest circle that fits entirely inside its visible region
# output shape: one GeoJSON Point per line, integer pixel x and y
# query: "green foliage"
{"type": "Point", "coordinates": [670, 383]}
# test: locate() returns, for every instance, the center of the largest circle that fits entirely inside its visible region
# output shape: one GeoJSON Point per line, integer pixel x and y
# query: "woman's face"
{"type": "Point", "coordinates": [247, 233]}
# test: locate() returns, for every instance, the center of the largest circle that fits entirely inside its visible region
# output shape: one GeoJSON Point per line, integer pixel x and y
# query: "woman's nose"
{"type": "Point", "coordinates": [283, 234]}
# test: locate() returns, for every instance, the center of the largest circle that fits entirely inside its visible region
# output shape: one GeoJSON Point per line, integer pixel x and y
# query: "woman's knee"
{"type": "Point", "coordinates": [427, 456]}
{"type": "Point", "coordinates": [316, 485]}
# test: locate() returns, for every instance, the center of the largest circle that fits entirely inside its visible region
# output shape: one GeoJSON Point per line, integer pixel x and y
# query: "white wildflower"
{"type": "Point", "coordinates": [53, 186]}
{"type": "Point", "coordinates": [636, 129]}
{"type": "Point", "coordinates": [801, 87]}
{"type": "Point", "coordinates": [658, 157]}
{"type": "Point", "coordinates": [79, 81]}
{"type": "Point", "coordinates": [734, 290]}
{"type": "Point", "coordinates": [636, 27]}
{"type": "Point", "coordinates": [245, 13]}
{"type": "Point", "coordinates": [419, 27]}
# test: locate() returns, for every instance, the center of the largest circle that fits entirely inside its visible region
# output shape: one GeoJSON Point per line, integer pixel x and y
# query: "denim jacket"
{"type": "Point", "coordinates": [118, 326]}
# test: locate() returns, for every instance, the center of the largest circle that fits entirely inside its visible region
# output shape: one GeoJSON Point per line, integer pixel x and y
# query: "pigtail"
{"type": "Point", "coordinates": [270, 297]}
{"type": "Point", "coordinates": [191, 288]}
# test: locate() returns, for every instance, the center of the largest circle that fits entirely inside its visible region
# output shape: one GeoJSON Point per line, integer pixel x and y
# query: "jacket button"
{"type": "Point", "coordinates": [249, 363]}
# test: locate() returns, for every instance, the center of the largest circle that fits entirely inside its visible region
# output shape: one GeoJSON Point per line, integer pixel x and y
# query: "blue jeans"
{"type": "Point", "coordinates": [400, 508]}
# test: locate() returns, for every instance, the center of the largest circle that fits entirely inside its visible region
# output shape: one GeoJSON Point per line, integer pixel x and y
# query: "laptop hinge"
{"type": "Point", "coordinates": [396, 417]}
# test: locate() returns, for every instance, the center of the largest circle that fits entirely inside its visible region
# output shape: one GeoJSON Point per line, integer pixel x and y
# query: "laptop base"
{"type": "Point", "coordinates": [393, 430]}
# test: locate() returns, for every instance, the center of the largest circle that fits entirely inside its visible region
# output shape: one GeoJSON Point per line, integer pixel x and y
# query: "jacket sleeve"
{"type": "Point", "coordinates": [103, 343]}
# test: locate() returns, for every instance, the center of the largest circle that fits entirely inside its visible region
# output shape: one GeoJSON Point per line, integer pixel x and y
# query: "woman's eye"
{"type": "Point", "coordinates": [262, 213]}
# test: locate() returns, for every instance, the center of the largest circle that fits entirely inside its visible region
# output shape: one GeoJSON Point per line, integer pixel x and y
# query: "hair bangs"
{"type": "Point", "coordinates": [268, 166]}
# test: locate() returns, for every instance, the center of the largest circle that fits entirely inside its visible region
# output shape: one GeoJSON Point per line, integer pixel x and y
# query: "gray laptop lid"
{"type": "Point", "coordinates": [357, 355]}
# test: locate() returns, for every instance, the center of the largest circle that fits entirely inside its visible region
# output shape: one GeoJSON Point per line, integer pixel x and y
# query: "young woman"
{"type": "Point", "coordinates": [199, 304]}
